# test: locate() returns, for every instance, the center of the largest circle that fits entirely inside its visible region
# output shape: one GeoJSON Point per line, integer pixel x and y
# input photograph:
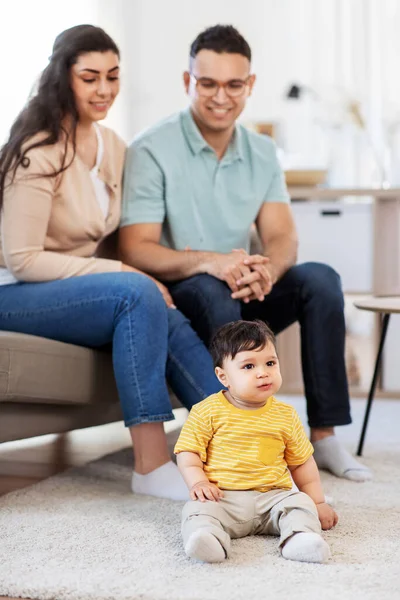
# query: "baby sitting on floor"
{"type": "Point", "coordinates": [238, 452]}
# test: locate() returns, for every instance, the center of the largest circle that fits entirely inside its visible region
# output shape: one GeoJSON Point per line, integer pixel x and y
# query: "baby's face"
{"type": "Point", "coordinates": [253, 375]}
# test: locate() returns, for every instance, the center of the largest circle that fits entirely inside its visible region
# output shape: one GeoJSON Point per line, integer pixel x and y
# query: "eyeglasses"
{"type": "Point", "coordinates": [209, 87]}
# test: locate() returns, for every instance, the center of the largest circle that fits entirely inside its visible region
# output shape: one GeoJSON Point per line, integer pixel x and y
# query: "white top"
{"type": "Point", "coordinates": [102, 195]}
{"type": "Point", "coordinates": [6, 277]}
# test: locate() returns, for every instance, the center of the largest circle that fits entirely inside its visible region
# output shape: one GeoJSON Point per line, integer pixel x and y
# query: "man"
{"type": "Point", "coordinates": [194, 185]}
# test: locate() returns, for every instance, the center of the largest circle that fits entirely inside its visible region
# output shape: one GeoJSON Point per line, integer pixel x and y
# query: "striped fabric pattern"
{"type": "Point", "coordinates": [245, 449]}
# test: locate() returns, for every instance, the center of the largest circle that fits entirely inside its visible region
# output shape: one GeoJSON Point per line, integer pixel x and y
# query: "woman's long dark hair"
{"type": "Point", "coordinates": [53, 101]}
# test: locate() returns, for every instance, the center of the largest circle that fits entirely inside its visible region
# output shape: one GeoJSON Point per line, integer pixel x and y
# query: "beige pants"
{"type": "Point", "coordinates": [237, 514]}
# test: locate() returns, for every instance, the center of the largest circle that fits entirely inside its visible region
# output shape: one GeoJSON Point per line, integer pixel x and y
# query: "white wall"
{"type": "Point", "coordinates": [27, 32]}
{"type": "Point", "coordinates": [343, 49]}
{"type": "Point", "coordinates": [155, 37]}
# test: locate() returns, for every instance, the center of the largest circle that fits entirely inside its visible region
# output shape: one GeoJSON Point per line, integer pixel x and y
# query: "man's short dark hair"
{"type": "Point", "coordinates": [239, 336]}
{"type": "Point", "coordinates": [221, 38]}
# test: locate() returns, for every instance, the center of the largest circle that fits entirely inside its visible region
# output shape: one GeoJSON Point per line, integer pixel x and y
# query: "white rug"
{"type": "Point", "coordinates": [82, 535]}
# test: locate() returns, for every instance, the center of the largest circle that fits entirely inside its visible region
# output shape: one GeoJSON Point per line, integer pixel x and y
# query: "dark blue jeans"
{"type": "Point", "coordinates": [149, 341]}
{"type": "Point", "coordinates": [310, 294]}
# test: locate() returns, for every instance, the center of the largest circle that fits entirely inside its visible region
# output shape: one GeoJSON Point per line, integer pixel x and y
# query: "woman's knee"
{"type": "Point", "coordinates": [126, 280]}
{"type": "Point", "coordinates": [135, 288]}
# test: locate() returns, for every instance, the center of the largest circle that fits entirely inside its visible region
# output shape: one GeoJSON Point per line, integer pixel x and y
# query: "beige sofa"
{"type": "Point", "coordinates": [52, 387]}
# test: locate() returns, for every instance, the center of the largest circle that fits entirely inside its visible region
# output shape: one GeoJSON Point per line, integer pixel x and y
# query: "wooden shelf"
{"type": "Point", "coordinates": [326, 193]}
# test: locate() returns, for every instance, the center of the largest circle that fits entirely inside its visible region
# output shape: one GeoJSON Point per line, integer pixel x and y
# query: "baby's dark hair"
{"type": "Point", "coordinates": [238, 336]}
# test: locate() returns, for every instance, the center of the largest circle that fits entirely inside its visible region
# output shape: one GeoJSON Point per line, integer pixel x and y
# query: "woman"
{"type": "Point", "coordinates": [60, 193]}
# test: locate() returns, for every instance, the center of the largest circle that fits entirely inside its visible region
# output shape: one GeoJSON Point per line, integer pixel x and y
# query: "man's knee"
{"type": "Point", "coordinates": [207, 295]}
{"type": "Point", "coordinates": [320, 280]}
{"type": "Point", "coordinates": [201, 286]}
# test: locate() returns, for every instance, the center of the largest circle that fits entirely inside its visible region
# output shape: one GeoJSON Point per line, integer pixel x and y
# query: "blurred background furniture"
{"type": "Point", "coordinates": [357, 232]}
{"type": "Point", "coordinates": [384, 307]}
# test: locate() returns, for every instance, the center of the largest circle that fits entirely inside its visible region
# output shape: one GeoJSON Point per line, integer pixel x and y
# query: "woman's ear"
{"type": "Point", "coordinates": [220, 373]}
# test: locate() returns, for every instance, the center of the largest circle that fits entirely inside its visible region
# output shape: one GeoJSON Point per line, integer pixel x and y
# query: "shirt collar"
{"type": "Point", "coordinates": [197, 143]}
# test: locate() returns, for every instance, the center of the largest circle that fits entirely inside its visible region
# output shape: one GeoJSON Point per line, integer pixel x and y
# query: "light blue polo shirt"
{"type": "Point", "coordinates": [172, 176]}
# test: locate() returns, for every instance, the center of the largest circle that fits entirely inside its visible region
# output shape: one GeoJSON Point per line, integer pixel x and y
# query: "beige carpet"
{"type": "Point", "coordinates": [82, 536]}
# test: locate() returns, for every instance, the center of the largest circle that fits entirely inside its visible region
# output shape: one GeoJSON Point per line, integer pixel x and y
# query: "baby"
{"type": "Point", "coordinates": [238, 452]}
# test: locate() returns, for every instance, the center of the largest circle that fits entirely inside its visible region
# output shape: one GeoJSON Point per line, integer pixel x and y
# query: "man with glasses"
{"type": "Point", "coordinates": [193, 186]}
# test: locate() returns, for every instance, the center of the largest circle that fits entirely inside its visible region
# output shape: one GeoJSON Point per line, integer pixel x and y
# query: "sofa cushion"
{"type": "Point", "coordinates": [24, 420]}
{"type": "Point", "coordinates": [37, 370]}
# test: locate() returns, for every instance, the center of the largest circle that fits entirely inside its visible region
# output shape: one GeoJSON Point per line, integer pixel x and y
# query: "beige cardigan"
{"type": "Point", "coordinates": [51, 227]}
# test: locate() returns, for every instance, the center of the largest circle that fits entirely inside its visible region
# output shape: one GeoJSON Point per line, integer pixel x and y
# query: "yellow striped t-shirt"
{"type": "Point", "coordinates": [245, 449]}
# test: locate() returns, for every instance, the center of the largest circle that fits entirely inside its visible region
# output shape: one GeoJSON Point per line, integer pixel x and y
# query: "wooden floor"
{"type": "Point", "coordinates": [26, 462]}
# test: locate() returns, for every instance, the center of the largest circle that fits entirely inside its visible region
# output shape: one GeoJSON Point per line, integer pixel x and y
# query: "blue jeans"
{"type": "Point", "coordinates": [310, 294]}
{"type": "Point", "coordinates": [149, 341]}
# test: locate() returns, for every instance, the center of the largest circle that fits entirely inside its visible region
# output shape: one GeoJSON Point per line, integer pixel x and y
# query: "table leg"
{"type": "Point", "coordinates": [371, 394]}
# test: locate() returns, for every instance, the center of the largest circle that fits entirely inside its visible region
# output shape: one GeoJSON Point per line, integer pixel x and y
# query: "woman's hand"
{"type": "Point", "coordinates": [163, 289]}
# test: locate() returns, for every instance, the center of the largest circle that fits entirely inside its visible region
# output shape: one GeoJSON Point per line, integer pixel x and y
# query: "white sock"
{"type": "Point", "coordinates": [203, 545]}
{"type": "Point", "coordinates": [329, 454]}
{"type": "Point", "coordinates": [306, 547]}
{"type": "Point", "coordinates": [164, 482]}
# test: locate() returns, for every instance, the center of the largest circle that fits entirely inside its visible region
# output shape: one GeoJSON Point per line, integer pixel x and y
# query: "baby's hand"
{"type": "Point", "coordinates": [205, 490]}
{"type": "Point", "coordinates": [327, 516]}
